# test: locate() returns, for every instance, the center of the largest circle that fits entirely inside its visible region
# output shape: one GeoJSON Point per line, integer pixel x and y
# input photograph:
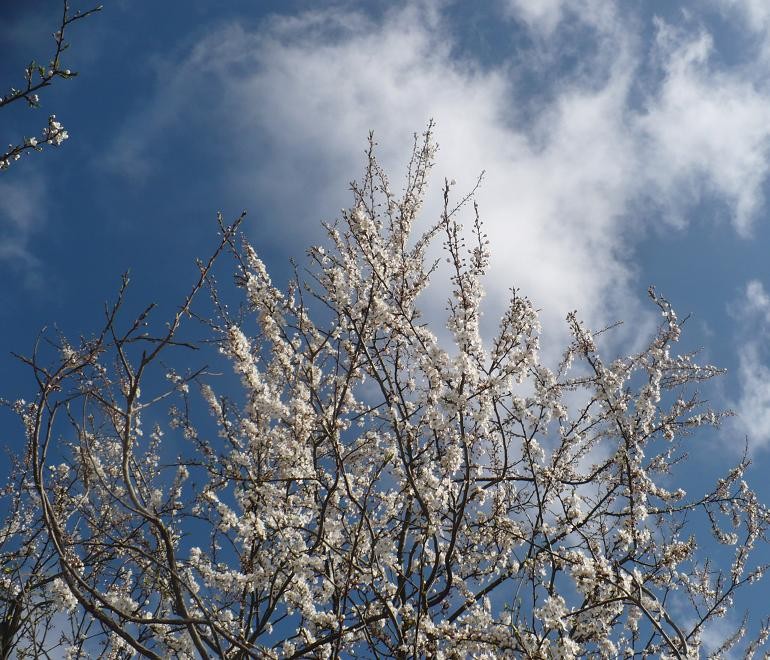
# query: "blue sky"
{"type": "Point", "coordinates": [624, 144]}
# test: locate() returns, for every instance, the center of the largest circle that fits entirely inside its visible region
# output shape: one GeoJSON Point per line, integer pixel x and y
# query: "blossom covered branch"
{"type": "Point", "coordinates": [37, 77]}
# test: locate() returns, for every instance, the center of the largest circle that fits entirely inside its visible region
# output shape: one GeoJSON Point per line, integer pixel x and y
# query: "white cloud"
{"type": "Point", "coordinates": [20, 218]}
{"type": "Point", "coordinates": [756, 301]}
{"type": "Point", "coordinates": [753, 405]}
{"type": "Point", "coordinates": [294, 99]}
{"type": "Point", "coordinates": [754, 14]}
{"type": "Point", "coordinates": [548, 203]}
{"type": "Point", "coordinates": [544, 16]}
{"type": "Point", "coordinates": [757, 12]}
{"type": "Point", "coordinates": [708, 130]}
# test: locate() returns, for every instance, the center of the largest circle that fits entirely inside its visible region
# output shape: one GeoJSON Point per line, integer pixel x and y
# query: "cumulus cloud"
{"type": "Point", "coordinates": [294, 98]}
{"type": "Point", "coordinates": [708, 131]}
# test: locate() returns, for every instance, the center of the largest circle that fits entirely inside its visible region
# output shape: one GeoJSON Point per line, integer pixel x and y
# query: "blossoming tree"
{"type": "Point", "coordinates": [363, 489]}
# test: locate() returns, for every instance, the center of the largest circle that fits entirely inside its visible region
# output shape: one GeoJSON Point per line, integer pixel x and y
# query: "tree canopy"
{"type": "Point", "coordinates": [366, 488]}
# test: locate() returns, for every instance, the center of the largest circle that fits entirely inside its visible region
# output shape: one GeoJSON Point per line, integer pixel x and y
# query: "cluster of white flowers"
{"type": "Point", "coordinates": [54, 133]}
{"type": "Point", "coordinates": [62, 596]}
